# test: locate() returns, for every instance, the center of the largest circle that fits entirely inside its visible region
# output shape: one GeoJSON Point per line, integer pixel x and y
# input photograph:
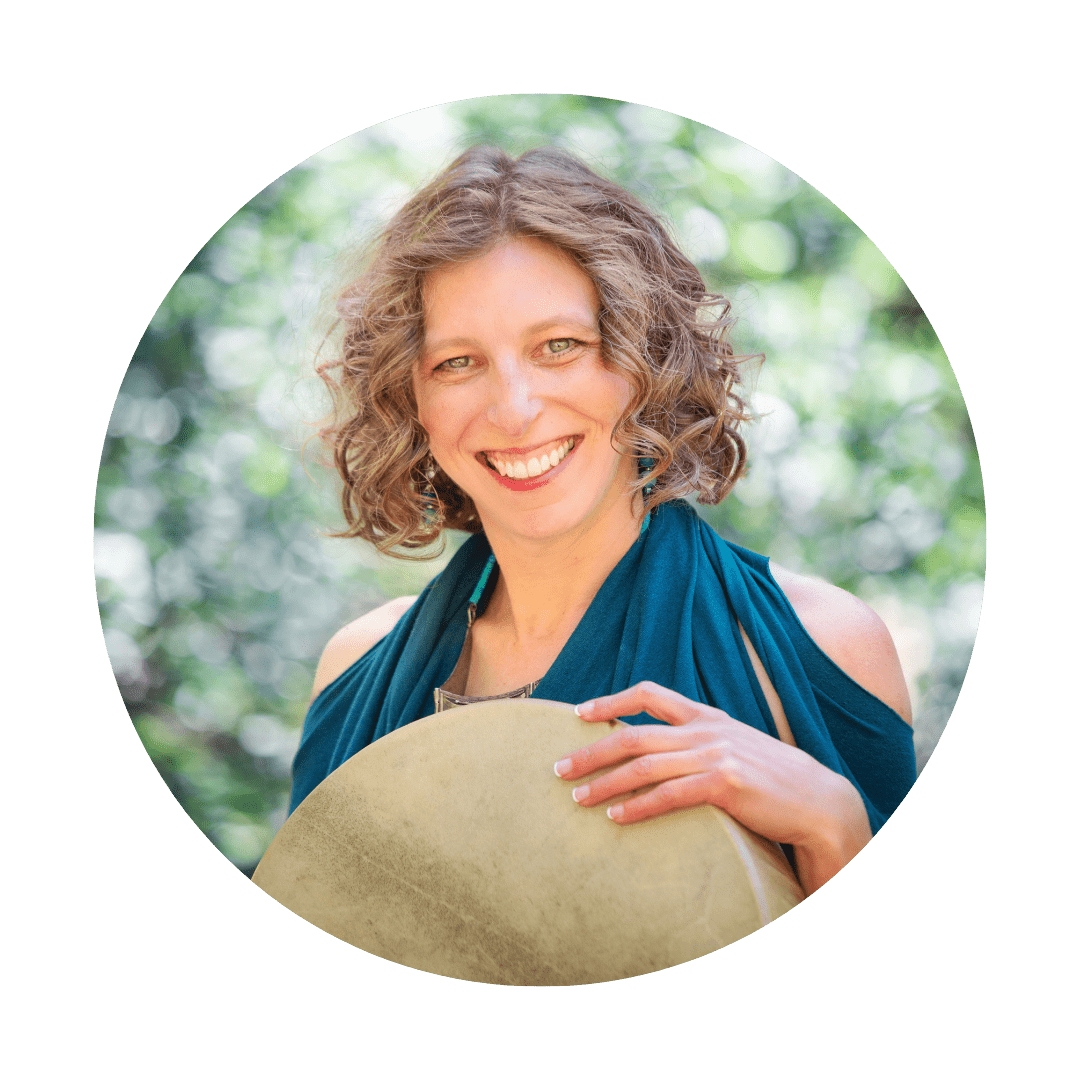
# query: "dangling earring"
{"type": "Point", "coordinates": [432, 504]}
{"type": "Point", "coordinates": [643, 466]}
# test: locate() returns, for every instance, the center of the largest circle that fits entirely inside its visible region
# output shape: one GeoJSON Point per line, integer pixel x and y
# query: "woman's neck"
{"type": "Point", "coordinates": [546, 585]}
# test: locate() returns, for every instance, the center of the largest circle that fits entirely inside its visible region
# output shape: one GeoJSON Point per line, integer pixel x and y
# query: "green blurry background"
{"type": "Point", "coordinates": [218, 589]}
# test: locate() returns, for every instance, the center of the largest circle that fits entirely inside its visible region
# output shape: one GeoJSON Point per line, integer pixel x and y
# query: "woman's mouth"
{"type": "Point", "coordinates": [524, 470]}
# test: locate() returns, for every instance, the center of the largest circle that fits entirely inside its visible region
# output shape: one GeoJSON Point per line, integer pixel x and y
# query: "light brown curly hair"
{"type": "Point", "coordinates": [661, 329]}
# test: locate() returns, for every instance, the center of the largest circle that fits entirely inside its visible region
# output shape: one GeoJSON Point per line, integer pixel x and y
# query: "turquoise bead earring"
{"type": "Point", "coordinates": [432, 505]}
{"type": "Point", "coordinates": [644, 465]}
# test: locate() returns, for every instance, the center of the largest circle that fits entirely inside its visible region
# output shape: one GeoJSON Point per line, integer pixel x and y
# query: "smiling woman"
{"type": "Point", "coordinates": [529, 357]}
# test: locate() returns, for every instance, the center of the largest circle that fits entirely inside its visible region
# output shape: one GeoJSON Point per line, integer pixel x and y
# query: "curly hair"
{"type": "Point", "coordinates": [661, 329]}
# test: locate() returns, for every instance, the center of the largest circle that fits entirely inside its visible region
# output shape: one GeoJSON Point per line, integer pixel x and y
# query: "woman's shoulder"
{"type": "Point", "coordinates": [850, 633]}
{"type": "Point", "coordinates": [355, 639]}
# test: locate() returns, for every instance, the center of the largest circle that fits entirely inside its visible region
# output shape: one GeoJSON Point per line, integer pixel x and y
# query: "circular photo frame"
{"type": "Point", "coordinates": [219, 581]}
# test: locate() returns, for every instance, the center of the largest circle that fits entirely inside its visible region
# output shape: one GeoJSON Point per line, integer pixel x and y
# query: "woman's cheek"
{"type": "Point", "coordinates": [619, 391]}
{"type": "Point", "coordinates": [435, 411]}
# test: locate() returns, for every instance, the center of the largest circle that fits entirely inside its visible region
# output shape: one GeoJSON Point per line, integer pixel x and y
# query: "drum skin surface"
{"type": "Point", "coordinates": [451, 846]}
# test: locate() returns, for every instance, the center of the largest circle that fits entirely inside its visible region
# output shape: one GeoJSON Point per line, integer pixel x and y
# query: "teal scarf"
{"type": "Point", "coordinates": [669, 612]}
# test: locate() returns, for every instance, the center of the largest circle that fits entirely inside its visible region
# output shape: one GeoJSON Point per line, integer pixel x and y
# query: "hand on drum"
{"type": "Point", "coordinates": [705, 756]}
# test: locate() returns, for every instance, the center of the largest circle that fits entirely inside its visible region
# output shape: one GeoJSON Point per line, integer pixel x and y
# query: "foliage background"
{"type": "Point", "coordinates": [218, 589]}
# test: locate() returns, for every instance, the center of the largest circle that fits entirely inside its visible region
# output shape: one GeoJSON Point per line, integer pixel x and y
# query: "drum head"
{"type": "Point", "coordinates": [451, 846]}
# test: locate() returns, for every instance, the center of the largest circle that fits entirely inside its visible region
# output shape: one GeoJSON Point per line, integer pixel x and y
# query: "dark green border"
{"type": "Point", "coordinates": [146, 954]}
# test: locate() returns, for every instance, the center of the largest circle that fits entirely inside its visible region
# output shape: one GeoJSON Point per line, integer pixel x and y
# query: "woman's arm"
{"type": "Point", "coordinates": [353, 640]}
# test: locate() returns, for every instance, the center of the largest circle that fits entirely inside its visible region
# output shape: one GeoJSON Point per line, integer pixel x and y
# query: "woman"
{"type": "Point", "coordinates": [528, 357]}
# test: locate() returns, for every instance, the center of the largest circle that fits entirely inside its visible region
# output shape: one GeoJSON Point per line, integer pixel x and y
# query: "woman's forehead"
{"type": "Point", "coordinates": [522, 280]}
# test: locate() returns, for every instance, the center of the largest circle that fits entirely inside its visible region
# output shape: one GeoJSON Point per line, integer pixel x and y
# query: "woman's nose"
{"type": "Point", "coordinates": [514, 404]}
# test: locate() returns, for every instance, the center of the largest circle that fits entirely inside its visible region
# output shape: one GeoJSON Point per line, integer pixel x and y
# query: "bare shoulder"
{"type": "Point", "coordinates": [850, 633]}
{"type": "Point", "coordinates": [353, 640]}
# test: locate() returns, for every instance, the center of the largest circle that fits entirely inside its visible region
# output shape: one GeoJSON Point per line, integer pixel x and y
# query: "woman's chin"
{"type": "Point", "coordinates": [543, 523]}
{"type": "Point", "coordinates": [557, 519]}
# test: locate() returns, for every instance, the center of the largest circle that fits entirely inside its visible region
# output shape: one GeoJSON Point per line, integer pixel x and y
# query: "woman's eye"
{"type": "Point", "coordinates": [456, 363]}
{"type": "Point", "coordinates": [562, 345]}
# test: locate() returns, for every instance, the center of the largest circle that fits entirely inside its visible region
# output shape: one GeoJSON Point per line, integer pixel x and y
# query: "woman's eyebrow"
{"type": "Point", "coordinates": [448, 343]}
{"type": "Point", "coordinates": [569, 321]}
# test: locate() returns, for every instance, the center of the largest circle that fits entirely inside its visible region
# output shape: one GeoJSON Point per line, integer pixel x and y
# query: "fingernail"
{"type": "Point", "coordinates": [562, 767]}
{"type": "Point", "coordinates": [580, 793]}
{"type": "Point", "coordinates": [614, 812]}
{"type": "Point", "coordinates": [585, 708]}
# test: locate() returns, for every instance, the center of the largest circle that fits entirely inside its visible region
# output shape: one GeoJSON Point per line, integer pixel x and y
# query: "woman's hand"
{"type": "Point", "coordinates": [706, 756]}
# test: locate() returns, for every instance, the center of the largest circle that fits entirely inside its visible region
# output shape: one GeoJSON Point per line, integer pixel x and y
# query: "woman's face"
{"type": "Point", "coordinates": [511, 389]}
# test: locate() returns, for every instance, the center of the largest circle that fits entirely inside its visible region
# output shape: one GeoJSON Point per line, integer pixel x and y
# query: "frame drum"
{"type": "Point", "coordinates": [451, 846]}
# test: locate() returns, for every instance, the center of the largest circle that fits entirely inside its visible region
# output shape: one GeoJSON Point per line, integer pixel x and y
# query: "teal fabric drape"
{"type": "Point", "coordinates": [669, 612]}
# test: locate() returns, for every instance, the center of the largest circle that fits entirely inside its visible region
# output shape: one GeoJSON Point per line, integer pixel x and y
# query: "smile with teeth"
{"type": "Point", "coordinates": [536, 464]}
